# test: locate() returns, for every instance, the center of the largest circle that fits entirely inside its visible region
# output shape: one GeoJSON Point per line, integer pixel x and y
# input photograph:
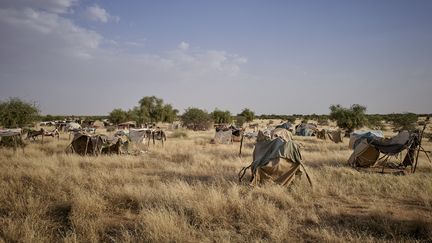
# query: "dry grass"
{"type": "Point", "coordinates": [188, 192]}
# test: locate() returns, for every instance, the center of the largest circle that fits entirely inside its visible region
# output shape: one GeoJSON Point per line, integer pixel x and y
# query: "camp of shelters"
{"type": "Point", "coordinates": [276, 156]}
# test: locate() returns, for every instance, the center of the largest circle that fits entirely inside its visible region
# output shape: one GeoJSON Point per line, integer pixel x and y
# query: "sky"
{"type": "Point", "coordinates": [87, 57]}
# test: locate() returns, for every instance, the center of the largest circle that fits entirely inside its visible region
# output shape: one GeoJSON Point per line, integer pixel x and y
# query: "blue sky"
{"type": "Point", "coordinates": [285, 57]}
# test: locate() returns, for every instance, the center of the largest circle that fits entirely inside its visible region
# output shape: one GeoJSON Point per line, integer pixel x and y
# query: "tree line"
{"type": "Point", "coordinates": [15, 112]}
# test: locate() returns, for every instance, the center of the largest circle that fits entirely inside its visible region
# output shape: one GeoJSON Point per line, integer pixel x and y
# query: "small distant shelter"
{"type": "Point", "coordinates": [12, 134]}
{"type": "Point", "coordinates": [127, 125]}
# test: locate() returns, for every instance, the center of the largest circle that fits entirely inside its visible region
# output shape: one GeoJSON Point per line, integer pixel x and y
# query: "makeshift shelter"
{"type": "Point", "coordinates": [126, 125]}
{"type": "Point", "coordinates": [223, 137]}
{"type": "Point", "coordinates": [306, 129]}
{"type": "Point", "coordinates": [275, 161]}
{"type": "Point", "coordinates": [356, 136]}
{"type": "Point", "coordinates": [367, 151]}
{"type": "Point", "coordinates": [335, 136]}
{"type": "Point", "coordinates": [321, 134]}
{"type": "Point", "coordinates": [281, 133]}
{"type": "Point", "coordinates": [286, 125]}
{"type": "Point", "coordinates": [98, 124]}
{"type": "Point", "coordinates": [73, 126]}
{"type": "Point", "coordinates": [84, 144]}
{"type": "Point", "coordinates": [138, 135]}
{"type": "Point", "coordinates": [14, 137]}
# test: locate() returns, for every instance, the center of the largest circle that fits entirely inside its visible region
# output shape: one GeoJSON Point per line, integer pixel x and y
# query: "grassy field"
{"type": "Point", "coordinates": [188, 191]}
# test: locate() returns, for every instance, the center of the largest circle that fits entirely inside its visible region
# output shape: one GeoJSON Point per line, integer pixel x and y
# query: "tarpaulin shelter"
{"type": "Point", "coordinates": [306, 129]}
{"type": "Point", "coordinates": [367, 150]}
{"type": "Point", "coordinates": [223, 137]}
{"type": "Point", "coordinates": [138, 135]}
{"type": "Point", "coordinates": [14, 135]}
{"type": "Point", "coordinates": [286, 125]}
{"type": "Point", "coordinates": [275, 161]}
{"type": "Point", "coordinates": [85, 144]}
{"type": "Point", "coordinates": [281, 133]}
{"type": "Point", "coordinates": [356, 136]}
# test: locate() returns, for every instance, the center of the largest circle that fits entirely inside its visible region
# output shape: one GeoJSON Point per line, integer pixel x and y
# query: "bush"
{"type": "Point", "coordinates": [248, 114]}
{"type": "Point", "coordinates": [196, 119]}
{"type": "Point", "coordinates": [221, 116]}
{"type": "Point", "coordinates": [375, 122]}
{"type": "Point", "coordinates": [348, 118]}
{"type": "Point", "coordinates": [405, 121]}
{"type": "Point", "coordinates": [17, 113]}
{"type": "Point", "coordinates": [240, 120]}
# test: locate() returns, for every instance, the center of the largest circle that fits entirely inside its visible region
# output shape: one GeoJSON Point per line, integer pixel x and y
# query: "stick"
{"type": "Point", "coordinates": [418, 149]}
{"type": "Point", "coordinates": [241, 144]}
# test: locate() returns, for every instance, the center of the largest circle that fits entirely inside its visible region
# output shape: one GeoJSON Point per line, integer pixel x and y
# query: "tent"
{"type": "Point", "coordinates": [367, 150]}
{"type": "Point", "coordinates": [12, 137]}
{"type": "Point", "coordinates": [356, 136]}
{"type": "Point", "coordinates": [281, 133]}
{"type": "Point", "coordinates": [138, 135]}
{"type": "Point", "coordinates": [286, 125]}
{"type": "Point", "coordinates": [98, 124]}
{"type": "Point", "coordinates": [275, 161]}
{"type": "Point", "coordinates": [73, 126]}
{"type": "Point", "coordinates": [223, 137]}
{"type": "Point", "coordinates": [306, 129]}
{"type": "Point", "coordinates": [335, 136]}
{"type": "Point", "coordinates": [85, 144]}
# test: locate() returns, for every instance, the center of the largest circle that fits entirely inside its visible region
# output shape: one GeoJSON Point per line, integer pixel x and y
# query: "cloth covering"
{"type": "Point", "coordinates": [10, 132]}
{"type": "Point", "coordinates": [138, 135]}
{"type": "Point", "coordinates": [335, 136]}
{"type": "Point", "coordinates": [286, 125]}
{"type": "Point", "coordinates": [356, 136]}
{"type": "Point", "coordinates": [223, 137]}
{"type": "Point", "coordinates": [276, 161]}
{"type": "Point", "coordinates": [281, 133]}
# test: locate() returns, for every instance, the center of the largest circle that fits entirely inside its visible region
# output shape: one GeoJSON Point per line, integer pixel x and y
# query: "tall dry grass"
{"type": "Point", "coordinates": [188, 191]}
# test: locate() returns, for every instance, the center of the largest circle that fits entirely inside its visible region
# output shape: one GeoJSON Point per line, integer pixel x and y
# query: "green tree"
{"type": "Point", "coordinates": [16, 113]}
{"type": "Point", "coordinates": [118, 115]}
{"type": "Point", "coordinates": [247, 114]}
{"type": "Point", "coordinates": [196, 119]}
{"type": "Point", "coordinates": [405, 121]}
{"type": "Point", "coordinates": [240, 120]}
{"type": "Point", "coordinates": [221, 116]}
{"type": "Point", "coordinates": [153, 109]}
{"type": "Point", "coordinates": [348, 118]}
{"type": "Point", "coordinates": [375, 122]}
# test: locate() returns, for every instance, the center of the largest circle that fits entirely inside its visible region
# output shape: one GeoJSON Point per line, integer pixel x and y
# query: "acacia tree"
{"type": "Point", "coordinates": [248, 114]}
{"type": "Point", "coordinates": [405, 121]}
{"type": "Point", "coordinates": [196, 119]}
{"type": "Point", "coordinates": [153, 109]}
{"type": "Point", "coordinates": [348, 118]}
{"type": "Point", "coordinates": [221, 116]}
{"type": "Point", "coordinates": [118, 115]}
{"type": "Point", "coordinates": [17, 113]}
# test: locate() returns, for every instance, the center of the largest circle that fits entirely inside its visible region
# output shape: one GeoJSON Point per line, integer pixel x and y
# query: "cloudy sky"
{"type": "Point", "coordinates": [89, 57]}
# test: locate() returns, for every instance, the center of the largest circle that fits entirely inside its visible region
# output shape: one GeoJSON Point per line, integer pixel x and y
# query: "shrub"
{"type": "Point", "coordinates": [405, 121]}
{"type": "Point", "coordinates": [348, 118]}
{"type": "Point", "coordinates": [248, 114]}
{"type": "Point", "coordinates": [17, 113]}
{"type": "Point", "coordinates": [196, 119]}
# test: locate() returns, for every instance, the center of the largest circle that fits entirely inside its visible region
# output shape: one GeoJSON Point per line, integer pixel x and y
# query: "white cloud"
{"type": "Point", "coordinates": [53, 6]}
{"type": "Point", "coordinates": [183, 45]}
{"type": "Point", "coordinates": [47, 49]}
{"type": "Point", "coordinates": [98, 14]}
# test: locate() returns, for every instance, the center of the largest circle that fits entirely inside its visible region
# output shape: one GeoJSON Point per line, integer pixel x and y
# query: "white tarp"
{"type": "Point", "coordinates": [138, 135]}
{"type": "Point", "coordinates": [358, 134]}
{"type": "Point", "coordinates": [10, 132]}
{"type": "Point", "coordinates": [223, 137]}
{"type": "Point", "coordinates": [73, 126]}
